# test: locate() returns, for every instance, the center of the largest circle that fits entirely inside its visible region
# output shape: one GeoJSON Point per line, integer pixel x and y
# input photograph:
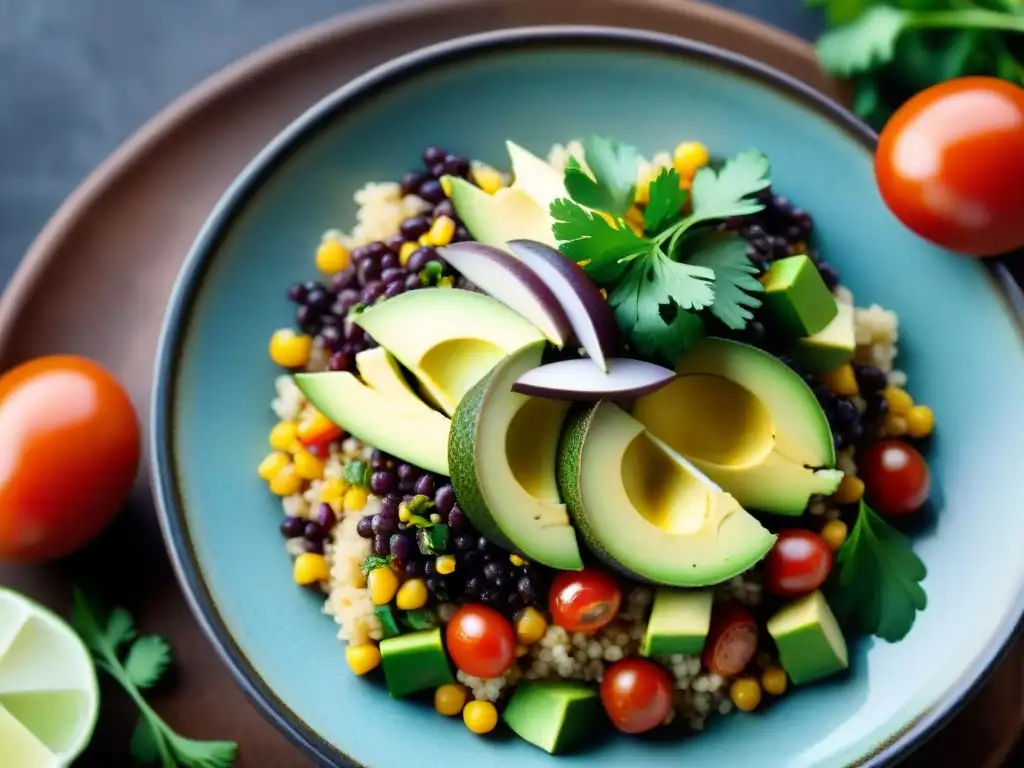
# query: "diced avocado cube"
{"type": "Point", "coordinates": [830, 348]}
{"type": "Point", "coordinates": [555, 716]}
{"type": "Point", "coordinates": [679, 623]}
{"type": "Point", "coordinates": [415, 662]}
{"type": "Point", "coordinates": [388, 623]}
{"type": "Point", "coordinates": [796, 297]}
{"type": "Point", "coordinates": [811, 644]}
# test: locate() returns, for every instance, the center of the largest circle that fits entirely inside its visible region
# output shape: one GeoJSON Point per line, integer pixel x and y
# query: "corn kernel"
{"type": "Point", "coordinates": [383, 584]}
{"type": "Point", "coordinates": [521, 650]}
{"type": "Point", "coordinates": [530, 626]}
{"type": "Point", "coordinates": [355, 498]}
{"type": "Point", "coordinates": [850, 490]}
{"type": "Point", "coordinates": [635, 215]}
{"type": "Point", "coordinates": [895, 425]}
{"type": "Point", "coordinates": [332, 257]}
{"type": "Point", "coordinates": [450, 699]}
{"type": "Point", "coordinates": [425, 240]}
{"type": "Point", "coordinates": [310, 568]}
{"type": "Point", "coordinates": [516, 560]}
{"type": "Point", "coordinates": [441, 231]}
{"type": "Point", "coordinates": [362, 658]}
{"type": "Point", "coordinates": [480, 716]}
{"type": "Point", "coordinates": [834, 533]}
{"type": "Point", "coordinates": [404, 513]}
{"type": "Point", "coordinates": [312, 425]}
{"type": "Point", "coordinates": [920, 421]}
{"type": "Point", "coordinates": [645, 176]}
{"type": "Point", "coordinates": [272, 465]}
{"type": "Point", "coordinates": [289, 349]}
{"type": "Point", "coordinates": [637, 229]}
{"type": "Point", "coordinates": [841, 381]}
{"type": "Point", "coordinates": [286, 482]}
{"type": "Point", "coordinates": [774, 679]}
{"type": "Point", "coordinates": [407, 250]}
{"type": "Point", "coordinates": [445, 564]}
{"type": "Point", "coordinates": [446, 186]}
{"type": "Point", "coordinates": [446, 282]}
{"type": "Point", "coordinates": [689, 157]}
{"type": "Point", "coordinates": [412, 595]}
{"type": "Point", "coordinates": [898, 400]}
{"type": "Point", "coordinates": [745, 693]}
{"type": "Point", "coordinates": [333, 492]}
{"type": "Point", "coordinates": [308, 466]}
{"type": "Point", "coordinates": [487, 178]}
{"type": "Point", "coordinates": [284, 436]}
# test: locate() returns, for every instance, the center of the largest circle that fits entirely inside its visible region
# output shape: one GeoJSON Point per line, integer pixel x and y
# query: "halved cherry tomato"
{"type": "Point", "coordinates": [896, 477]}
{"type": "Point", "coordinates": [798, 564]}
{"type": "Point", "coordinates": [636, 694]}
{"type": "Point", "coordinates": [69, 452]}
{"type": "Point", "coordinates": [949, 165]}
{"type": "Point", "coordinates": [584, 601]}
{"type": "Point", "coordinates": [481, 641]}
{"type": "Point", "coordinates": [732, 640]}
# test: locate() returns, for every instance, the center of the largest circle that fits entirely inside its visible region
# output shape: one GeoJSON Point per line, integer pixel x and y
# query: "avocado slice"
{"type": "Point", "coordinates": [558, 717]}
{"type": "Point", "coordinates": [502, 456]}
{"type": "Point", "coordinates": [415, 434]}
{"type": "Point", "coordinates": [448, 338]}
{"type": "Point", "coordinates": [830, 348]}
{"type": "Point", "coordinates": [679, 623]}
{"type": "Point", "coordinates": [379, 369]}
{"type": "Point", "coordinates": [749, 422]}
{"type": "Point", "coordinates": [646, 510]}
{"type": "Point", "coordinates": [796, 297]}
{"type": "Point", "coordinates": [811, 644]}
{"type": "Point", "coordinates": [415, 662]}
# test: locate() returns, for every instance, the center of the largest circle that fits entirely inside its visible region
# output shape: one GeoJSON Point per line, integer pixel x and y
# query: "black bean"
{"type": "Point", "coordinates": [325, 516]}
{"type": "Point", "coordinates": [494, 571]}
{"type": "Point", "coordinates": [395, 289]}
{"type": "Point", "coordinates": [292, 527]}
{"type": "Point", "coordinates": [332, 338]}
{"type": "Point", "coordinates": [402, 546]}
{"type": "Point", "coordinates": [463, 542]}
{"type": "Point", "coordinates": [432, 191]}
{"type": "Point", "coordinates": [432, 155]}
{"type": "Point", "coordinates": [365, 527]}
{"type": "Point", "coordinates": [376, 249]}
{"type": "Point", "coordinates": [437, 170]}
{"type": "Point", "coordinates": [489, 596]}
{"type": "Point", "coordinates": [526, 589]}
{"type": "Point", "coordinates": [412, 282]}
{"type": "Point", "coordinates": [419, 258]}
{"type": "Point", "coordinates": [320, 299]}
{"type": "Point", "coordinates": [444, 499]}
{"type": "Point", "coordinates": [314, 531]}
{"type": "Point", "coordinates": [368, 271]}
{"type": "Point", "coordinates": [780, 248]}
{"type": "Point", "coordinates": [444, 208]}
{"type": "Point", "coordinates": [870, 379]}
{"type": "Point", "coordinates": [353, 333]}
{"type": "Point", "coordinates": [388, 261]}
{"type": "Point", "coordinates": [794, 234]}
{"type": "Point", "coordinates": [382, 482]}
{"type": "Point", "coordinates": [381, 544]}
{"type": "Point", "coordinates": [845, 412]}
{"type": "Point", "coordinates": [414, 227]}
{"type": "Point", "coordinates": [828, 274]}
{"type": "Point", "coordinates": [426, 485]}
{"type": "Point", "coordinates": [347, 299]}
{"type": "Point", "coordinates": [455, 165]}
{"type": "Point", "coordinates": [368, 341]}
{"type": "Point", "coordinates": [392, 275]}
{"type": "Point", "coordinates": [839, 440]}
{"type": "Point", "coordinates": [308, 319]}
{"type": "Point", "coordinates": [394, 244]}
{"type": "Point", "coordinates": [876, 406]}
{"type": "Point", "coordinates": [430, 568]}
{"type": "Point", "coordinates": [297, 291]}
{"type": "Point", "coordinates": [461, 235]}
{"type": "Point", "coordinates": [411, 182]}
{"type": "Point", "coordinates": [372, 291]}
{"type": "Point", "coordinates": [360, 253]}
{"type": "Point", "coordinates": [313, 546]}
{"type": "Point", "coordinates": [514, 603]}
{"type": "Point", "coordinates": [407, 473]}
{"type": "Point", "coordinates": [433, 584]}
{"type": "Point", "coordinates": [456, 519]}
{"type": "Point", "coordinates": [345, 279]}
{"type": "Point", "coordinates": [755, 232]}
{"type": "Point", "coordinates": [379, 459]}
{"type": "Point", "coordinates": [339, 361]}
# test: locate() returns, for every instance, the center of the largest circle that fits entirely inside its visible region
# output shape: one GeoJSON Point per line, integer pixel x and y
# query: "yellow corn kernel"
{"type": "Point", "coordinates": [355, 498]}
{"type": "Point", "coordinates": [774, 679]}
{"type": "Point", "coordinates": [362, 658]}
{"type": "Point", "coordinates": [530, 626]}
{"type": "Point", "coordinates": [272, 465]}
{"type": "Point", "coordinates": [446, 186]}
{"type": "Point", "coordinates": [521, 650]}
{"type": "Point", "coordinates": [920, 421]}
{"type": "Point", "coordinates": [850, 490]}
{"type": "Point", "coordinates": [644, 177]}
{"type": "Point", "coordinates": [450, 699]}
{"type": "Point", "coordinates": [286, 482]}
{"type": "Point", "coordinates": [898, 400]}
{"type": "Point", "coordinates": [834, 533]}
{"type": "Point", "coordinates": [487, 178]}
{"type": "Point", "coordinates": [516, 560]}
{"type": "Point", "coordinates": [404, 513]}
{"type": "Point", "coordinates": [310, 568]}
{"type": "Point", "coordinates": [637, 229]}
{"type": "Point", "coordinates": [412, 595]}
{"type": "Point", "coordinates": [895, 425]}
{"type": "Point", "coordinates": [289, 349]}
{"type": "Point", "coordinates": [445, 564]}
{"type": "Point", "coordinates": [441, 231]}
{"type": "Point", "coordinates": [841, 381]}
{"type": "Point", "coordinates": [308, 466]}
{"type": "Point", "coordinates": [408, 249]}
{"type": "Point", "coordinates": [480, 716]}
{"type": "Point", "coordinates": [284, 436]}
{"type": "Point", "coordinates": [745, 693]}
{"type": "Point", "coordinates": [446, 282]}
{"type": "Point", "coordinates": [635, 215]}
{"type": "Point", "coordinates": [332, 257]}
{"type": "Point", "coordinates": [425, 240]}
{"type": "Point", "coordinates": [333, 492]}
{"type": "Point", "coordinates": [383, 584]}
{"type": "Point", "coordinates": [689, 157]}
{"type": "Point", "coordinates": [312, 425]}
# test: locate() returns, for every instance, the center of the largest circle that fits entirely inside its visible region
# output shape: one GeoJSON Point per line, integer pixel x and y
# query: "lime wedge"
{"type": "Point", "coordinates": [49, 698]}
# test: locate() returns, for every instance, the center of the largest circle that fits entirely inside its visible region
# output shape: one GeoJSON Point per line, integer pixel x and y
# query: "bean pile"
{"type": "Point", "coordinates": [313, 532]}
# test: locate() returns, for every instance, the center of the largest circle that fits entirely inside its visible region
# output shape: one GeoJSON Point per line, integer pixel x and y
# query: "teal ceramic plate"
{"type": "Point", "coordinates": [960, 345]}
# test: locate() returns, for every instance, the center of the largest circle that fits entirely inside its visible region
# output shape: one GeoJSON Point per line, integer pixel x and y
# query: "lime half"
{"type": "Point", "coordinates": [49, 698]}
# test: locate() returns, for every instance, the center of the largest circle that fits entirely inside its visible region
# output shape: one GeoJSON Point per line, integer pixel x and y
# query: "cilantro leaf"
{"type": "Point", "coordinates": [147, 660]}
{"type": "Point", "coordinates": [120, 628]}
{"type": "Point", "coordinates": [614, 166]}
{"type": "Point", "coordinates": [735, 278]}
{"type": "Point", "coordinates": [588, 239]}
{"type": "Point", "coordinates": [146, 743]}
{"type": "Point", "coordinates": [670, 334]}
{"type": "Point", "coordinates": [726, 193]}
{"type": "Point", "coordinates": [357, 473]}
{"type": "Point", "coordinates": [203, 754]}
{"type": "Point", "coordinates": [865, 44]}
{"type": "Point", "coordinates": [372, 562]}
{"type": "Point", "coordinates": [667, 201]}
{"type": "Point", "coordinates": [688, 285]}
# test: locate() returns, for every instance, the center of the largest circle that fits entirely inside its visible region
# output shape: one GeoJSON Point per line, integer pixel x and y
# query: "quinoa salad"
{"type": "Point", "coordinates": [599, 437]}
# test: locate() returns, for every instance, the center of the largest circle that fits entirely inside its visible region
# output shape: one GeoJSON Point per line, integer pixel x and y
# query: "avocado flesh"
{"type": "Point", "coordinates": [679, 623]}
{"type": "Point", "coordinates": [796, 297]}
{"type": "Point", "coordinates": [448, 338]}
{"type": "Point", "coordinates": [558, 717]}
{"type": "Point", "coordinates": [415, 662]}
{"type": "Point", "coordinates": [645, 510]}
{"type": "Point", "coordinates": [502, 454]}
{"type": "Point", "coordinates": [508, 214]}
{"type": "Point", "coordinates": [811, 644]}
{"type": "Point", "coordinates": [417, 435]}
{"type": "Point", "coordinates": [748, 422]}
{"type": "Point", "coordinates": [378, 370]}
{"type": "Point", "coordinates": [831, 348]}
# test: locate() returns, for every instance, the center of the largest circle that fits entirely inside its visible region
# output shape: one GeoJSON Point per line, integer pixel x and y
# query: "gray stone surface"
{"type": "Point", "coordinates": [77, 77]}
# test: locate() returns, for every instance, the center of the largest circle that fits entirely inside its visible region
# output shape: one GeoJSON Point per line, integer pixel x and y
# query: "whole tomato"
{"type": "Point", "coordinates": [949, 165]}
{"type": "Point", "coordinates": [584, 601]}
{"type": "Point", "coordinates": [798, 564]}
{"type": "Point", "coordinates": [69, 454]}
{"type": "Point", "coordinates": [480, 641]}
{"type": "Point", "coordinates": [896, 477]}
{"type": "Point", "coordinates": [636, 694]}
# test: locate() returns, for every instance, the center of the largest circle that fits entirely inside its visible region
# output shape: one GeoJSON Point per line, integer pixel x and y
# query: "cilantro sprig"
{"type": "Point", "coordinates": [137, 664]}
{"type": "Point", "coordinates": [875, 586]}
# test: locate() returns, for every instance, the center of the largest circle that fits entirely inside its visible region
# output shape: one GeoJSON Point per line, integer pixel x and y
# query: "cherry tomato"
{"type": "Point", "coordinates": [798, 564]}
{"type": "Point", "coordinates": [69, 452]}
{"type": "Point", "coordinates": [637, 695]}
{"type": "Point", "coordinates": [949, 165]}
{"type": "Point", "coordinates": [732, 640]}
{"type": "Point", "coordinates": [481, 641]}
{"type": "Point", "coordinates": [896, 477]}
{"type": "Point", "coordinates": [584, 601]}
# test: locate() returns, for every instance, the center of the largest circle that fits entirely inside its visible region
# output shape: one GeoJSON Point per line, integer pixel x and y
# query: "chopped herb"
{"type": "Point", "coordinates": [421, 618]}
{"type": "Point", "coordinates": [736, 283]}
{"type": "Point", "coordinates": [418, 521]}
{"type": "Point", "coordinates": [138, 663]}
{"type": "Point", "coordinates": [357, 473]}
{"type": "Point", "coordinates": [432, 540]}
{"type": "Point", "coordinates": [667, 201]}
{"type": "Point", "coordinates": [588, 237]}
{"type": "Point", "coordinates": [356, 309]}
{"type": "Point", "coordinates": [373, 562]}
{"type": "Point", "coordinates": [388, 624]}
{"type": "Point", "coordinates": [431, 272]}
{"type": "Point", "coordinates": [611, 184]}
{"type": "Point", "coordinates": [728, 192]}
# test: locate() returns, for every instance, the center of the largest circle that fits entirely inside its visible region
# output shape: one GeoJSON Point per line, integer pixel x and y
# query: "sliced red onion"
{"type": "Point", "coordinates": [580, 380]}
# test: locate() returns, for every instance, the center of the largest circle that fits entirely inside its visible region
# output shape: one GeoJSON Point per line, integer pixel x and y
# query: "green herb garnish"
{"type": "Point", "coordinates": [431, 272]}
{"type": "Point", "coordinates": [137, 664]}
{"type": "Point", "coordinates": [432, 540]}
{"type": "Point", "coordinates": [875, 585]}
{"type": "Point", "coordinates": [612, 185]}
{"type": "Point", "coordinates": [373, 562]}
{"type": "Point", "coordinates": [388, 624]}
{"type": "Point", "coordinates": [421, 618]}
{"type": "Point", "coordinates": [357, 473]}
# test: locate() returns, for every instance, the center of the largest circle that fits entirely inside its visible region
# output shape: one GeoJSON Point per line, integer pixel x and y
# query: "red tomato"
{"type": "Point", "coordinates": [480, 641]}
{"type": "Point", "coordinates": [949, 165]}
{"type": "Point", "coordinates": [896, 477]}
{"type": "Point", "coordinates": [732, 640]}
{"type": "Point", "coordinates": [798, 564]}
{"type": "Point", "coordinates": [584, 601]}
{"type": "Point", "coordinates": [637, 695]}
{"type": "Point", "coordinates": [68, 457]}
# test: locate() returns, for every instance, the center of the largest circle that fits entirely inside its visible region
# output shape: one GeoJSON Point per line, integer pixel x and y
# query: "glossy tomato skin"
{"type": "Point", "coordinates": [480, 641]}
{"type": "Point", "coordinates": [949, 165]}
{"type": "Point", "coordinates": [584, 601]}
{"type": "Point", "coordinates": [636, 694]}
{"type": "Point", "coordinates": [798, 564]}
{"type": "Point", "coordinates": [896, 477]}
{"type": "Point", "coordinates": [732, 640]}
{"type": "Point", "coordinates": [70, 454]}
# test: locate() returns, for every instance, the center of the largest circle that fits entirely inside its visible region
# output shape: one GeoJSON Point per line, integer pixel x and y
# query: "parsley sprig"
{"type": "Point", "coordinates": [875, 587]}
{"type": "Point", "coordinates": [659, 281]}
{"type": "Point", "coordinates": [137, 664]}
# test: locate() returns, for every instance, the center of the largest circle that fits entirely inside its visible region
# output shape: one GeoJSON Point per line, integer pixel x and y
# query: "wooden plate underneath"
{"type": "Point", "coordinates": [97, 279]}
